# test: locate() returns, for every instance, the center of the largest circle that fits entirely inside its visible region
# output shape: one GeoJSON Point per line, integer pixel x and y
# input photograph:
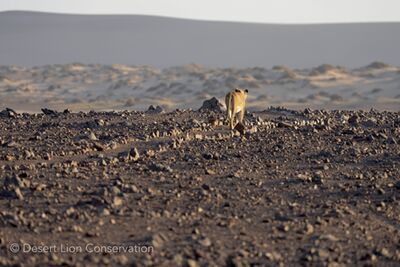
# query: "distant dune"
{"type": "Point", "coordinates": [110, 87]}
{"type": "Point", "coordinates": [30, 38]}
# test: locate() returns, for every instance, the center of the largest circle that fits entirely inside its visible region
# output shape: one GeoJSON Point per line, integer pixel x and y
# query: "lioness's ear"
{"type": "Point", "coordinates": [246, 91]}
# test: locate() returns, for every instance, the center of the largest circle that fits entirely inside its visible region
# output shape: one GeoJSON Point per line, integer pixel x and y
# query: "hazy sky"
{"type": "Point", "coordinates": [274, 11]}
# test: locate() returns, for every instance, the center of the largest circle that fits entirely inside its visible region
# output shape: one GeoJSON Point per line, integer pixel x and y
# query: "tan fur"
{"type": "Point", "coordinates": [235, 102]}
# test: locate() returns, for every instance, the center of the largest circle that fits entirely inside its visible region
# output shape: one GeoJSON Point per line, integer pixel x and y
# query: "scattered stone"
{"type": "Point", "coordinates": [104, 212]}
{"type": "Point", "coordinates": [150, 153]}
{"type": "Point", "coordinates": [318, 178]}
{"type": "Point", "coordinates": [92, 136]}
{"type": "Point", "coordinates": [208, 156]}
{"type": "Point", "coordinates": [18, 193]}
{"type": "Point", "coordinates": [198, 136]}
{"type": "Point", "coordinates": [158, 240]}
{"type": "Point", "coordinates": [100, 122]}
{"type": "Point", "coordinates": [70, 211]}
{"type": "Point", "coordinates": [158, 167]}
{"type": "Point", "coordinates": [329, 237]}
{"type": "Point", "coordinates": [40, 187]}
{"type": "Point", "coordinates": [304, 177]}
{"type": "Point", "coordinates": [384, 252]}
{"type": "Point", "coordinates": [210, 171]}
{"type": "Point", "coordinates": [253, 130]}
{"type": "Point", "coordinates": [284, 228]}
{"type": "Point", "coordinates": [205, 242]}
{"type": "Point", "coordinates": [11, 144]}
{"type": "Point", "coordinates": [76, 229]}
{"type": "Point", "coordinates": [116, 201]}
{"type": "Point", "coordinates": [192, 263]}
{"type": "Point", "coordinates": [132, 155]}
{"type": "Point", "coordinates": [314, 193]}
{"type": "Point", "coordinates": [273, 256]}
{"type": "Point", "coordinates": [309, 229]}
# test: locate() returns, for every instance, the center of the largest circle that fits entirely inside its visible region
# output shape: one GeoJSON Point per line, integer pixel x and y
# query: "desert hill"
{"type": "Point", "coordinates": [32, 38]}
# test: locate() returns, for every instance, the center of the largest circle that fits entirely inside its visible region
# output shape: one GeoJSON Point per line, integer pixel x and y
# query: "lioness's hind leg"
{"type": "Point", "coordinates": [228, 116]}
{"type": "Point", "coordinates": [241, 116]}
{"type": "Point", "coordinates": [232, 121]}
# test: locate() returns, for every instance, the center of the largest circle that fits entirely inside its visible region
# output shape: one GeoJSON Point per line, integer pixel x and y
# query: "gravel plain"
{"type": "Point", "coordinates": [290, 188]}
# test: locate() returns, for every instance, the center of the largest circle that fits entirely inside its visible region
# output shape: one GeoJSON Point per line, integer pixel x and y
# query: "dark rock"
{"type": "Point", "coordinates": [353, 119]}
{"type": "Point", "coordinates": [12, 187]}
{"type": "Point", "coordinates": [155, 110]}
{"type": "Point", "coordinates": [8, 112]}
{"type": "Point", "coordinates": [240, 128]}
{"type": "Point", "coordinates": [212, 104]}
{"type": "Point", "coordinates": [207, 156]}
{"type": "Point", "coordinates": [307, 111]}
{"type": "Point", "coordinates": [13, 181]}
{"type": "Point", "coordinates": [283, 124]}
{"type": "Point", "coordinates": [369, 123]}
{"type": "Point", "coordinates": [49, 112]}
{"type": "Point", "coordinates": [134, 154]}
{"type": "Point", "coordinates": [397, 185]}
{"type": "Point", "coordinates": [11, 144]}
{"type": "Point", "coordinates": [213, 121]}
{"type": "Point", "coordinates": [377, 65]}
{"type": "Point", "coordinates": [98, 146]}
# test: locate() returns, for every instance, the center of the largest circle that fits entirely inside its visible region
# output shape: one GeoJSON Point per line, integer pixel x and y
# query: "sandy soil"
{"type": "Point", "coordinates": [119, 87]}
{"type": "Point", "coordinates": [309, 188]}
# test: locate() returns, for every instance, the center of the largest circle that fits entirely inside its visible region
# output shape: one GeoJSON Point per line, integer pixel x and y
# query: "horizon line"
{"type": "Point", "coordinates": [195, 19]}
{"type": "Point", "coordinates": [203, 65]}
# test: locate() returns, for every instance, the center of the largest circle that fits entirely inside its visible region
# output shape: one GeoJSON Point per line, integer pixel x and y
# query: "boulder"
{"type": "Point", "coordinates": [212, 104]}
{"type": "Point", "coordinates": [155, 110]}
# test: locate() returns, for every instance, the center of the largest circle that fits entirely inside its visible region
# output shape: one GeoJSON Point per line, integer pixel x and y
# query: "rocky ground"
{"type": "Point", "coordinates": [292, 188]}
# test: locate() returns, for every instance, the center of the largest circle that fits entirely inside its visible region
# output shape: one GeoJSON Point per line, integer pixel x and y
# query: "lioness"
{"type": "Point", "coordinates": [235, 102]}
